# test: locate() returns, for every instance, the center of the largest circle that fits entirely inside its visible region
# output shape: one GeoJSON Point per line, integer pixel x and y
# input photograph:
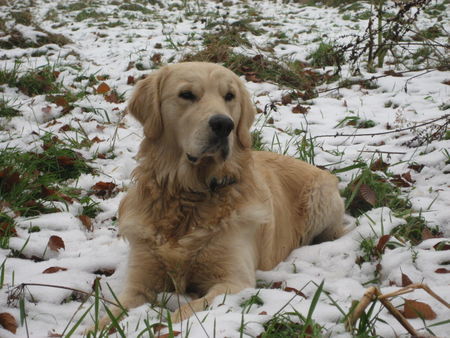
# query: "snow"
{"type": "Point", "coordinates": [98, 49]}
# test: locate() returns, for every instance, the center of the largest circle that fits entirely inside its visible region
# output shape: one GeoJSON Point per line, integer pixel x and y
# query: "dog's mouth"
{"type": "Point", "coordinates": [216, 148]}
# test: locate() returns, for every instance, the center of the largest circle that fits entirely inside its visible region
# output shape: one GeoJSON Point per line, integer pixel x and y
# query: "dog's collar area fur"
{"type": "Point", "coordinates": [215, 184]}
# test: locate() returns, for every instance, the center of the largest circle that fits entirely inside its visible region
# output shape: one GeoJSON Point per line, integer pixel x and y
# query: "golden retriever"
{"type": "Point", "coordinates": [205, 211]}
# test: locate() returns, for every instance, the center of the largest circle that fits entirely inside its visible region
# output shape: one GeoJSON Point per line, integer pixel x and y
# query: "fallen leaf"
{"type": "Point", "coordinates": [87, 222]}
{"type": "Point", "coordinates": [298, 292]}
{"type": "Point", "coordinates": [427, 234]}
{"type": "Point", "coordinates": [65, 160]}
{"type": "Point", "coordinates": [286, 99]}
{"type": "Point", "coordinates": [407, 177]}
{"type": "Point", "coordinates": [399, 181]}
{"type": "Point", "coordinates": [8, 179]}
{"type": "Point", "coordinates": [131, 80]}
{"type": "Point", "coordinates": [7, 229]}
{"type": "Point", "coordinates": [368, 194]}
{"type": "Point", "coordinates": [103, 189]}
{"type": "Point", "coordinates": [276, 285]}
{"type": "Point", "coordinates": [393, 73]}
{"type": "Point", "coordinates": [54, 269]}
{"type": "Point", "coordinates": [441, 246]}
{"type": "Point", "coordinates": [299, 109]}
{"type": "Point", "coordinates": [406, 280]}
{"type": "Point", "coordinates": [65, 127]}
{"type": "Point", "coordinates": [252, 77]}
{"type": "Point", "coordinates": [112, 98]}
{"type": "Point", "coordinates": [8, 322]}
{"type": "Point", "coordinates": [382, 243]}
{"type": "Point", "coordinates": [263, 313]}
{"type": "Point", "coordinates": [156, 58]}
{"type": "Point", "coordinates": [442, 270]}
{"type": "Point", "coordinates": [416, 167]}
{"type": "Point", "coordinates": [103, 88]}
{"type": "Point", "coordinates": [158, 327]}
{"type": "Point", "coordinates": [414, 309]}
{"type": "Point", "coordinates": [379, 165]}
{"type": "Point", "coordinates": [55, 243]}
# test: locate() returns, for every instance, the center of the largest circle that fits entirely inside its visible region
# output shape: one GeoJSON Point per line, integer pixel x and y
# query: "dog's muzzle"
{"type": "Point", "coordinates": [221, 127]}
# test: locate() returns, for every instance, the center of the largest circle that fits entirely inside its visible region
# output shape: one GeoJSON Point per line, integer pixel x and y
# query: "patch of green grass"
{"type": "Point", "coordinates": [366, 84]}
{"type": "Point", "coordinates": [7, 109]}
{"type": "Point", "coordinates": [326, 54]}
{"type": "Point", "coordinates": [253, 300]}
{"type": "Point", "coordinates": [76, 6]}
{"type": "Point", "coordinates": [136, 8]}
{"type": "Point", "coordinates": [413, 230]}
{"type": "Point", "coordinates": [90, 14]}
{"type": "Point", "coordinates": [23, 17]}
{"type": "Point", "coordinates": [356, 121]}
{"type": "Point", "coordinates": [435, 10]}
{"type": "Point", "coordinates": [37, 82]}
{"type": "Point", "coordinates": [29, 180]}
{"type": "Point", "coordinates": [294, 324]}
{"type": "Point", "coordinates": [370, 190]}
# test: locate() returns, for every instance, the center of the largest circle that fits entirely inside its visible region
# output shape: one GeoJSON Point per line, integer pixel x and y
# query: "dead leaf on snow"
{"type": "Point", "coordinates": [8, 322]}
{"type": "Point", "coordinates": [87, 222]}
{"type": "Point", "coordinates": [414, 309]}
{"type": "Point", "coordinates": [103, 88]}
{"type": "Point", "coordinates": [442, 270]}
{"type": "Point", "coordinates": [55, 243]}
{"type": "Point", "coordinates": [299, 109]}
{"type": "Point", "coordinates": [54, 269]}
{"type": "Point", "coordinates": [382, 243]}
{"type": "Point", "coordinates": [406, 280]}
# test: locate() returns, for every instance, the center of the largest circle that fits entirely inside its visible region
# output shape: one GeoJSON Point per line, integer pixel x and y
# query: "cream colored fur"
{"type": "Point", "coordinates": [185, 237]}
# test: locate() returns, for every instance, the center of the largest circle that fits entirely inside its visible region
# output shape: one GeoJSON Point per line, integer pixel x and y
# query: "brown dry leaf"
{"type": "Point", "coordinates": [112, 98]}
{"type": "Point", "coordinates": [399, 181]}
{"type": "Point", "coordinates": [61, 101]}
{"type": "Point", "coordinates": [87, 222]}
{"type": "Point", "coordinates": [298, 292]}
{"type": "Point", "coordinates": [407, 177]}
{"type": "Point", "coordinates": [54, 269]}
{"type": "Point", "coordinates": [415, 309]}
{"type": "Point", "coordinates": [416, 167]}
{"type": "Point", "coordinates": [55, 243]}
{"type": "Point", "coordinates": [393, 73]}
{"type": "Point", "coordinates": [8, 322]}
{"type": "Point", "coordinates": [406, 280]}
{"type": "Point", "coordinates": [65, 127]}
{"type": "Point", "coordinates": [368, 194]}
{"type": "Point", "coordinates": [54, 335]}
{"type": "Point", "coordinates": [299, 109]}
{"type": "Point", "coordinates": [65, 160]}
{"type": "Point", "coordinates": [156, 58]}
{"type": "Point", "coordinates": [379, 165]}
{"type": "Point", "coordinates": [96, 139]}
{"type": "Point", "coordinates": [442, 270]}
{"type": "Point", "coordinates": [382, 243]}
{"type": "Point", "coordinates": [252, 77]}
{"type": "Point", "coordinates": [8, 178]}
{"type": "Point", "coordinates": [262, 313]}
{"type": "Point", "coordinates": [276, 285]}
{"type": "Point", "coordinates": [103, 189]}
{"type": "Point", "coordinates": [158, 327]}
{"type": "Point", "coordinates": [7, 228]}
{"type": "Point", "coordinates": [131, 80]}
{"type": "Point", "coordinates": [103, 88]}
{"type": "Point", "coordinates": [286, 99]}
{"type": "Point", "coordinates": [444, 245]}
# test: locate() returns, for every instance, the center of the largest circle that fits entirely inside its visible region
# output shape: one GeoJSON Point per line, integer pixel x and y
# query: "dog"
{"type": "Point", "coordinates": [205, 211]}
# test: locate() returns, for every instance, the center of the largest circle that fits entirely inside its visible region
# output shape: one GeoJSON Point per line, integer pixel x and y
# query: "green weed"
{"type": "Point", "coordinates": [326, 54]}
{"type": "Point", "coordinates": [7, 109]}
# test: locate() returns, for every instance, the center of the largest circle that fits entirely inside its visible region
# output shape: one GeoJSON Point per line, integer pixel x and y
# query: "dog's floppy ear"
{"type": "Point", "coordinates": [145, 104]}
{"type": "Point", "coordinates": [248, 113]}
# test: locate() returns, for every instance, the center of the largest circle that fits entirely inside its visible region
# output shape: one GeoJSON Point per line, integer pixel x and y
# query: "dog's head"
{"type": "Point", "coordinates": [199, 110]}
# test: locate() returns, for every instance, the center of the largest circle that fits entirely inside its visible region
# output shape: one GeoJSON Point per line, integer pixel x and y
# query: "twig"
{"type": "Point", "coordinates": [383, 152]}
{"type": "Point", "coordinates": [379, 77]}
{"type": "Point", "coordinates": [374, 293]}
{"type": "Point", "coordinates": [447, 116]}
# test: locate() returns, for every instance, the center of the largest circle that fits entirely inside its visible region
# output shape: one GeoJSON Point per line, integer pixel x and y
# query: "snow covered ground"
{"type": "Point", "coordinates": [116, 46]}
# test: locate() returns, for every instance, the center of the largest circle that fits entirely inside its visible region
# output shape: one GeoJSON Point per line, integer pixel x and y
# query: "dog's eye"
{"type": "Point", "coordinates": [229, 97]}
{"type": "Point", "coordinates": [188, 95]}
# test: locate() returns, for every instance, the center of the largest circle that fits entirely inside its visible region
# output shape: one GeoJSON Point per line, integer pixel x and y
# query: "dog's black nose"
{"type": "Point", "coordinates": [221, 125]}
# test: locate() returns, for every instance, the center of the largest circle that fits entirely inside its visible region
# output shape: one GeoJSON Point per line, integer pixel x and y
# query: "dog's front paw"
{"type": "Point", "coordinates": [189, 309]}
